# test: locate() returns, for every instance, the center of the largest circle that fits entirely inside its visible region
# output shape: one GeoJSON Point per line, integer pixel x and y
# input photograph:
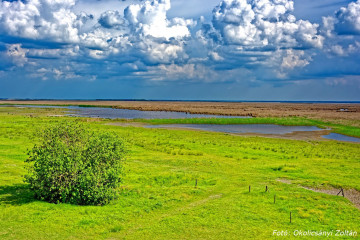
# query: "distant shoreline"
{"type": "Point", "coordinates": [333, 111]}
{"type": "Point", "coordinates": [167, 100]}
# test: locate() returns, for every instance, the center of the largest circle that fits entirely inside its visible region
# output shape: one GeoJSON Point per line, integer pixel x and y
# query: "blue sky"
{"type": "Point", "coordinates": [180, 49]}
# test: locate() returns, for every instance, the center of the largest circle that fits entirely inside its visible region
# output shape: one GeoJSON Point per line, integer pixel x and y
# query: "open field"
{"type": "Point", "coordinates": [339, 113]}
{"type": "Point", "coordinates": [159, 199]}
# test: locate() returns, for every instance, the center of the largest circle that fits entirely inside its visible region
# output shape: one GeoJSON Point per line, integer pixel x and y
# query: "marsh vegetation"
{"type": "Point", "coordinates": [341, 113]}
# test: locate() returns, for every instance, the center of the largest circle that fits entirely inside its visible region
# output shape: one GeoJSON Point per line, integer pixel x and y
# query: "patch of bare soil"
{"type": "Point", "coordinates": [284, 180]}
{"type": "Point", "coordinates": [300, 135]}
{"type": "Point", "coordinates": [351, 194]}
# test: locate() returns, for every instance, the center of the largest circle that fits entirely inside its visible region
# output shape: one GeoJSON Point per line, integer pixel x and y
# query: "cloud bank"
{"type": "Point", "coordinates": [244, 40]}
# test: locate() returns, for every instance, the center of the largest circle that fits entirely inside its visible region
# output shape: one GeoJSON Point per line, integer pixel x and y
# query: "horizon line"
{"type": "Point", "coordinates": [178, 100]}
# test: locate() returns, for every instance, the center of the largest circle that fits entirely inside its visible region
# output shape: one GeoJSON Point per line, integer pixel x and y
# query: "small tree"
{"type": "Point", "coordinates": [74, 165]}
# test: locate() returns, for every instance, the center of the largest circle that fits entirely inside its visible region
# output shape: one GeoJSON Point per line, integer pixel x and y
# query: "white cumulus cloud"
{"type": "Point", "coordinates": [264, 23]}
{"type": "Point", "coordinates": [40, 19]}
{"type": "Point", "coordinates": [342, 31]}
{"type": "Point", "coordinates": [17, 54]}
{"type": "Point", "coordinates": [348, 19]}
{"type": "Point", "coordinates": [111, 19]}
{"type": "Point", "coordinates": [150, 19]}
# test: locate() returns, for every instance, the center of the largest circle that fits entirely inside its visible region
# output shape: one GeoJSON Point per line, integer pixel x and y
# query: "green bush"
{"type": "Point", "coordinates": [74, 165]}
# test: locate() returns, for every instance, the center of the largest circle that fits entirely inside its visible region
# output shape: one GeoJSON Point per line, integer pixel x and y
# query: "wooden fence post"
{"type": "Point", "coordinates": [342, 192]}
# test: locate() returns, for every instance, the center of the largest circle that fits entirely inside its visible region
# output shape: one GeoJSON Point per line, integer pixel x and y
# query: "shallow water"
{"type": "Point", "coordinates": [113, 113]}
{"type": "Point", "coordinates": [241, 128]}
{"type": "Point", "coordinates": [98, 112]}
{"type": "Point", "coordinates": [340, 137]}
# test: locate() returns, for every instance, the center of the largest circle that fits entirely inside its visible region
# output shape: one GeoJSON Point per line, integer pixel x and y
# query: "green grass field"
{"type": "Point", "coordinates": [159, 199]}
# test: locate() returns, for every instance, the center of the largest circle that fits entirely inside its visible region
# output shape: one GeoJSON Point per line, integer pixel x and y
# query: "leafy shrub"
{"type": "Point", "coordinates": [75, 165]}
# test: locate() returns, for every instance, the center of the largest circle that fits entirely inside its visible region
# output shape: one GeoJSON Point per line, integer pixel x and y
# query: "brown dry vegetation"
{"type": "Point", "coordinates": [323, 111]}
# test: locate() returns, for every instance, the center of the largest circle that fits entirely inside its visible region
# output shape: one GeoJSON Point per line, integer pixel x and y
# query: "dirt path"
{"type": "Point", "coordinates": [351, 194]}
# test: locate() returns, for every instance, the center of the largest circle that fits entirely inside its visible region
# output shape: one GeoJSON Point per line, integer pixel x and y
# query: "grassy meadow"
{"type": "Point", "coordinates": [183, 184]}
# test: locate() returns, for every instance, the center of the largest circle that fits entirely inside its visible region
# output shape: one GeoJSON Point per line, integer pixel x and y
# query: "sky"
{"type": "Point", "coordinates": [268, 50]}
